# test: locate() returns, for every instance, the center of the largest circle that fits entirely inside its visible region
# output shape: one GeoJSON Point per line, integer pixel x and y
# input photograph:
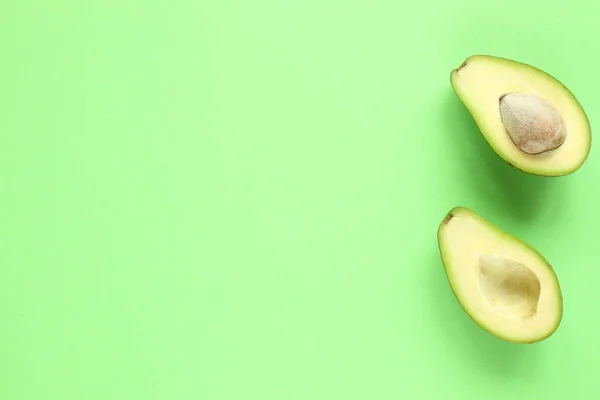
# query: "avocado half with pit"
{"type": "Point", "coordinates": [527, 116]}
{"type": "Point", "coordinates": [503, 284]}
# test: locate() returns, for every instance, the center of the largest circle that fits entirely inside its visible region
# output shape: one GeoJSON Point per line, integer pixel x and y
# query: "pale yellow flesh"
{"type": "Point", "coordinates": [483, 80]}
{"type": "Point", "coordinates": [464, 239]}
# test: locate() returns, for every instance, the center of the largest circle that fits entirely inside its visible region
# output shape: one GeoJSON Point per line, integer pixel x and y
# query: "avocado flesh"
{"type": "Point", "coordinates": [503, 284]}
{"type": "Point", "coordinates": [481, 81]}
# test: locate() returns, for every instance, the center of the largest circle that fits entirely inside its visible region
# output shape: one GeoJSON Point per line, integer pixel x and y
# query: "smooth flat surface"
{"type": "Point", "coordinates": [240, 200]}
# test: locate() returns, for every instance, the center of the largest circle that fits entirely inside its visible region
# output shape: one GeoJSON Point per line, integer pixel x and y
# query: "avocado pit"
{"type": "Point", "coordinates": [532, 123]}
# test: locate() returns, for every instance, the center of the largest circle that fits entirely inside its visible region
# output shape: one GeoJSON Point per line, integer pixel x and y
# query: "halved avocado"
{"type": "Point", "coordinates": [527, 116]}
{"type": "Point", "coordinates": [503, 284]}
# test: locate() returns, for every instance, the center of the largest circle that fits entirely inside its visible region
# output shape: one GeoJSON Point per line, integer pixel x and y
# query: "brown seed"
{"type": "Point", "coordinates": [532, 123]}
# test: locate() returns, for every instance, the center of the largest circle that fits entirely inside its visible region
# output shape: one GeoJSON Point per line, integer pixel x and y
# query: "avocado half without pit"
{"type": "Point", "coordinates": [527, 116]}
{"type": "Point", "coordinates": [503, 284]}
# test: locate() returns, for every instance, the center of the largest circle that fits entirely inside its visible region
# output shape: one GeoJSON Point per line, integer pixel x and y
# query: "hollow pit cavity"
{"type": "Point", "coordinates": [510, 288]}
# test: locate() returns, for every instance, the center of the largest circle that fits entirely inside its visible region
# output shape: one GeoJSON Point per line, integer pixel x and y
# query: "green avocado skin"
{"type": "Point", "coordinates": [464, 211]}
{"type": "Point", "coordinates": [488, 136]}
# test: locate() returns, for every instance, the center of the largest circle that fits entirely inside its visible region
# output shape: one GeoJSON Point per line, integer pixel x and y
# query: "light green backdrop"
{"type": "Point", "coordinates": [239, 200]}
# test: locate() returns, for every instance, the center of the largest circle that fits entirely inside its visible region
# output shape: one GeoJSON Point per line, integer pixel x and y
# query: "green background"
{"type": "Point", "coordinates": [239, 199]}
